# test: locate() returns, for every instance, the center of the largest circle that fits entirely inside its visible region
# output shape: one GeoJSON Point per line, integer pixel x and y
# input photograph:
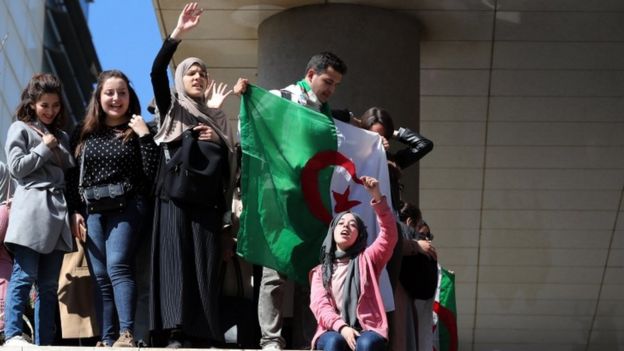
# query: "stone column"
{"type": "Point", "coordinates": [379, 46]}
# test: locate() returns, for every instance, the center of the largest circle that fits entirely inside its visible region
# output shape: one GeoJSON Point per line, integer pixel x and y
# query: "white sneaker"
{"type": "Point", "coordinates": [17, 340]}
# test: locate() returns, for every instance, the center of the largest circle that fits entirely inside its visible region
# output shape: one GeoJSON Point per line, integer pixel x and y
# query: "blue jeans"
{"type": "Point", "coordinates": [111, 249]}
{"type": "Point", "coordinates": [367, 341]}
{"type": "Point", "coordinates": [31, 267]}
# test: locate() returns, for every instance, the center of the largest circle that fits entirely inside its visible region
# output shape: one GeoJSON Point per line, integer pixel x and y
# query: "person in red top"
{"type": "Point", "coordinates": [345, 296]}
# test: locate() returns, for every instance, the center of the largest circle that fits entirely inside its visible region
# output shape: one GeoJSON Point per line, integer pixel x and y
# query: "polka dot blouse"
{"type": "Point", "coordinates": [108, 159]}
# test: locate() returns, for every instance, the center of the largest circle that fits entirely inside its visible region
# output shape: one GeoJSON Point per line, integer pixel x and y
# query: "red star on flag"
{"type": "Point", "coordinates": [342, 201]}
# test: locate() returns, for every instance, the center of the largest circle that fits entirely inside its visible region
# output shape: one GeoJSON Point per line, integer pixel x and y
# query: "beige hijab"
{"type": "Point", "coordinates": [186, 113]}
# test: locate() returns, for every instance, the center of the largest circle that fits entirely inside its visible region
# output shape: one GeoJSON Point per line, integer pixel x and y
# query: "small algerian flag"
{"type": "Point", "coordinates": [445, 312]}
{"type": "Point", "coordinates": [299, 168]}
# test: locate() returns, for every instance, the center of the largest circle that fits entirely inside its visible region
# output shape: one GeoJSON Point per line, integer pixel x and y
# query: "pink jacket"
{"type": "Point", "coordinates": [370, 309]}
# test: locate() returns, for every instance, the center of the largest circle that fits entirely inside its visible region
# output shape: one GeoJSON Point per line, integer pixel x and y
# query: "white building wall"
{"type": "Point", "coordinates": [21, 56]}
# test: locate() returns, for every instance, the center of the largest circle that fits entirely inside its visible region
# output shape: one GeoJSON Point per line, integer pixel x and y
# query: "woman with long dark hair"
{"type": "Point", "coordinates": [38, 234]}
{"type": "Point", "coordinates": [117, 161]}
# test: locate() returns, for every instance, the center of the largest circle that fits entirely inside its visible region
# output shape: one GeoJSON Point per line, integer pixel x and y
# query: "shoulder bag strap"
{"type": "Point", "coordinates": [166, 151]}
{"type": "Point", "coordinates": [82, 157]}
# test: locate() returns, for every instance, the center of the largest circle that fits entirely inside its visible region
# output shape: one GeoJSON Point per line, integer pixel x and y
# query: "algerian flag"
{"type": "Point", "coordinates": [445, 312]}
{"type": "Point", "coordinates": [299, 168]}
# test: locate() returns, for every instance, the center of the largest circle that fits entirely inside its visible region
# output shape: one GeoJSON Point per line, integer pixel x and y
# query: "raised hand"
{"type": "Point", "coordinates": [208, 90]}
{"type": "Point", "coordinates": [188, 19]}
{"type": "Point", "coordinates": [219, 94]}
{"type": "Point", "coordinates": [372, 186]}
{"type": "Point", "coordinates": [241, 86]}
{"type": "Point", "coordinates": [138, 125]}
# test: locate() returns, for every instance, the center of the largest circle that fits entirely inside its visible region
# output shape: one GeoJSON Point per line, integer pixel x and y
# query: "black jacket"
{"type": "Point", "coordinates": [418, 147]}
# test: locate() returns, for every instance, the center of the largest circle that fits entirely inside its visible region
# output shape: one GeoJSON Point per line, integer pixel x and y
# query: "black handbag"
{"type": "Point", "coordinates": [419, 273]}
{"type": "Point", "coordinates": [419, 276]}
{"type": "Point", "coordinates": [238, 314]}
{"type": "Point", "coordinates": [193, 175]}
{"type": "Point", "coordinates": [101, 198]}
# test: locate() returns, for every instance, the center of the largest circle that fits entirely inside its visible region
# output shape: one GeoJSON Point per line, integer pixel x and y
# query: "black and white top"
{"type": "Point", "coordinates": [110, 160]}
{"type": "Point", "coordinates": [299, 96]}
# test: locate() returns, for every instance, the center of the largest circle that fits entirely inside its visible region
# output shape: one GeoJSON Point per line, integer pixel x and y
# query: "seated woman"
{"type": "Point", "coordinates": [345, 297]}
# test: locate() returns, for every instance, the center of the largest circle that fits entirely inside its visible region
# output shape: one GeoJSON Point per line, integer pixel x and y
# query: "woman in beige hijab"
{"type": "Point", "coordinates": [187, 236]}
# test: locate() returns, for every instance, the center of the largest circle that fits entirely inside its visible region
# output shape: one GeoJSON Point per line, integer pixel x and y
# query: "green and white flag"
{"type": "Point", "coordinates": [445, 313]}
{"type": "Point", "coordinates": [299, 168]}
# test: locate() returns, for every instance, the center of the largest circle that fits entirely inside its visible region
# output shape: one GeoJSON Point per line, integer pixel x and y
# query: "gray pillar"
{"type": "Point", "coordinates": [379, 46]}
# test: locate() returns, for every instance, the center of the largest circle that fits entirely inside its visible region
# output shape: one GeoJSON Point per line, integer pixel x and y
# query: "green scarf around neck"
{"type": "Point", "coordinates": [307, 88]}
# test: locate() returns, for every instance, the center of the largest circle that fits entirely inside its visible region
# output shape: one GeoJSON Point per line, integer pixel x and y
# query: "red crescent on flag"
{"type": "Point", "coordinates": [309, 180]}
{"type": "Point", "coordinates": [448, 319]}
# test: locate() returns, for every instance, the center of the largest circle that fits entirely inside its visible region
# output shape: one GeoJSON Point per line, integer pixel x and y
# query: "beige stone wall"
{"type": "Point", "coordinates": [524, 101]}
{"type": "Point", "coordinates": [525, 183]}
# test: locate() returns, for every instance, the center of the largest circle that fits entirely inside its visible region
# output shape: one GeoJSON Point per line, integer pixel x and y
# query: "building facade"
{"type": "Point", "coordinates": [524, 189]}
{"type": "Point", "coordinates": [45, 36]}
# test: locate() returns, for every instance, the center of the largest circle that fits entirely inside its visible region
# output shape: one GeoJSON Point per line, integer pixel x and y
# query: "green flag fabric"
{"type": "Point", "coordinates": [278, 137]}
{"type": "Point", "coordinates": [445, 312]}
{"type": "Point", "coordinates": [299, 168]}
